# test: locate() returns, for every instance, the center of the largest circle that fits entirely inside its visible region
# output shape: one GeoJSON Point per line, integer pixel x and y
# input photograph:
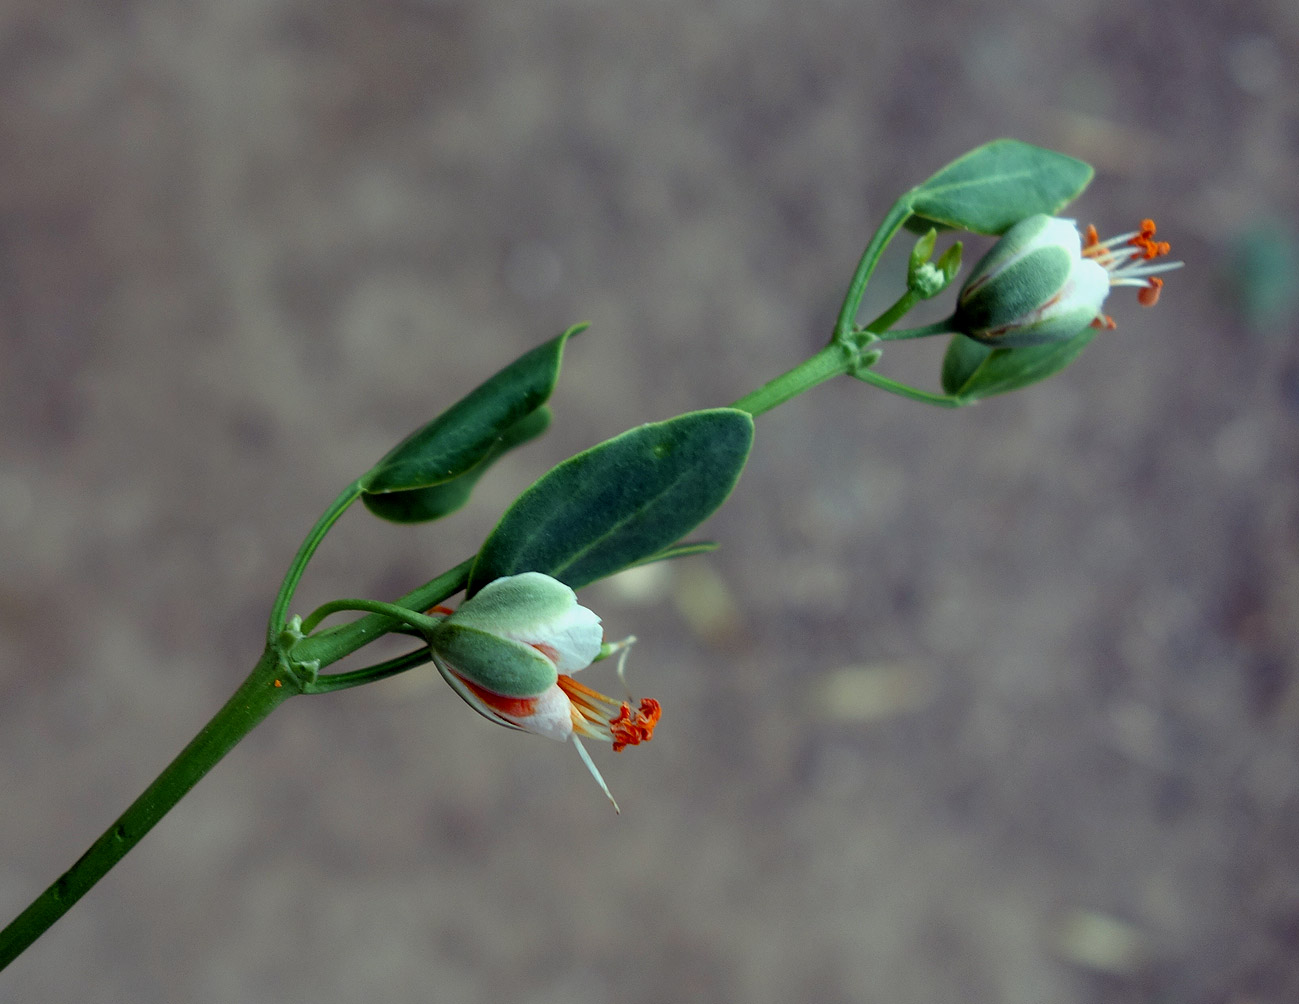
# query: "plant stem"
{"type": "Point", "coordinates": [907, 391]}
{"type": "Point", "coordinates": [897, 215]}
{"type": "Point", "coordinates": [891, 316]}
{"type": "Point", "coordinates": [330, 682]}
{"type": "Point", "coordinates": [393, 611]}
{"type": "Point", "coordinates": [943, 327]}
{"type": "Point", "coordinates": [831, 361]}
{"type": "Point", "coordinates": [279, 612]}
{"type": "Point", "coordinates": [264, 690]}
{"type": "Point", "coordinates": [335, 643]}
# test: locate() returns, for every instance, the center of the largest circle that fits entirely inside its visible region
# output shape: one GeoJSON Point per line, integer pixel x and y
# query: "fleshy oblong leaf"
{"type": "Point", "coordinates": [419, 505]}
{"type": "Point", "coordinates": [621, 502]}
{"type": "Point", "coordinates": [461, 437]}
{"type": "Point", "coordinates": [996, 185]}
{"type": "Point", "coordinates": [970, 376]}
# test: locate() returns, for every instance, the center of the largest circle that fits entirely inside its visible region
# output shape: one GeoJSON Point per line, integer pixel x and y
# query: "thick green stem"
{"type": "Point", "coordinates": [832, 361]}
{"type": "Point", "coordinates": [269, 685]}
{"type": "Point", "coordinates": [265, 689]}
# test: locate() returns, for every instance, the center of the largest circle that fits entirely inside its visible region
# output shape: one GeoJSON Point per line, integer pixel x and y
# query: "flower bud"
{"type": "Point", "coordinates": [508, 651]}
{"type": "Point", "coordinates": [1042, 282]}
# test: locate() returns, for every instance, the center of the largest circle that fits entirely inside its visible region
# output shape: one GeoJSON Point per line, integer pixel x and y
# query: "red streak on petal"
{"type": "Point", "coordinates": [441, 610]}
{"type": "Point", "coordinates": [547, 650]}
{"type": "Point", "coordinates": [508, 707]}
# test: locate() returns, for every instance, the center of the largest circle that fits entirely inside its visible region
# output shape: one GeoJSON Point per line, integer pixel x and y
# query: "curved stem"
{"type": "Point", "coordinates": [265, 689]}
{"type": "Point", "coordinates": [403, 615]}
{"type": "Point", "coordinates": [330, 682]}
{"type": "Point", "coordinates": [907, 391]}
{"type": "Point", "coordinates": [897, 215]}
{"type": "Point", "coordinates": [280, 611]}
{"type": "Point", "coordinates": [336, 643]}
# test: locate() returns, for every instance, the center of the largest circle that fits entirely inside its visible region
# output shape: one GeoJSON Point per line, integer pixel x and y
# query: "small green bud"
{"type": "Point", "coordinates": [927, 279]}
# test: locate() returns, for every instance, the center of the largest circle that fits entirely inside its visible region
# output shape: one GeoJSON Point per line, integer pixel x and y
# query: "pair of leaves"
{"type": "Point", "coordinates": [432, 471]}
{"type": "Point", "coordinates": [972, 370]}
{"type": "Point", "coordinates": [996, 185]}
{"type": "Point", "coordinates": [624, 502]}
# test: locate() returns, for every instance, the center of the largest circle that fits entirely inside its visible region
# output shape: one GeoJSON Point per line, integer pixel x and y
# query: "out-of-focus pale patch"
{"type": "Point", "coordinates": [644, 584]}
{"type": "Point", "coordinates": [873, 693]}
{"type": "Point", "coordinates": [704, 601]}
{"type": "Point", "coordinates": [1100, 942]}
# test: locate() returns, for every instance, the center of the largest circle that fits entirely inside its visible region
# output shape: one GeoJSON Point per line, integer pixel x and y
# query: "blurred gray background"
{"type": "Point", "coordinates": [996, 705]}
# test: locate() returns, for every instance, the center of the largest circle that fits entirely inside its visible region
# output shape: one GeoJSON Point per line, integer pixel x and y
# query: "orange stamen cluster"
{"type": "Point", "coordinates": [633, 728]}
{"type": "Point", "coordinates": [599, 717]}
{"type": "Point", "coordinates": [1149, 248]}
{"type": "Point", "coordinates": [1125, 259]}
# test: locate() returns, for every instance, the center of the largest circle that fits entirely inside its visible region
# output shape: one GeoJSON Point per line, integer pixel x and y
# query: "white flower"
{"type": "Point", "coordinates": [1044, 282]}
{"type": "Point", "coordinates": [503, 652]}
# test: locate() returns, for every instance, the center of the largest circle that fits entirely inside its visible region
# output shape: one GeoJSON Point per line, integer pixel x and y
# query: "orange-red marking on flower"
{"type": "Point", "coordinates": [510, 707]}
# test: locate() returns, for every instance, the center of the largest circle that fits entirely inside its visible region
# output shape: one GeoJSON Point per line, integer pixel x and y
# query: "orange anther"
{"type": "Point", "coordinates": [1149, 248]}
{"type": "Point", "coordinates": [632, 729]}
{"type": "Point", "coordinates": [1090, 236]}
{"type": "Point", "coordinates": [1149, 296]}
{"type": "Point", "coordinates": [1104, 323]}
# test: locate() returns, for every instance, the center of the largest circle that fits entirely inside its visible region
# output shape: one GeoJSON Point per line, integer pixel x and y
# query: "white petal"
{"type": "Point", "coordinates": [553, 717]}
{"type": "Point", "coordinates": [1091, 283]}
{"type": "Point", "coordinates": [573, 638]}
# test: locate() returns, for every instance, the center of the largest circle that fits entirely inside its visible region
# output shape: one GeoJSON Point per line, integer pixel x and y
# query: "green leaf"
{"type": "Point", "coordinates": [467, 436]}
{"type": "Point", "coordinates": [419, 505]}
{"type": "Point", "coordinates": [972, 371]}
{"type": "Point", "coordinates": [998, 184]}
{"type": "Point", "coordinates": [621, 502]}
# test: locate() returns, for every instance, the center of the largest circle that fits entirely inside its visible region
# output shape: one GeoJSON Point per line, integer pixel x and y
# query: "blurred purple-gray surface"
{"type": "Point", "coordinates": [995, 705]}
